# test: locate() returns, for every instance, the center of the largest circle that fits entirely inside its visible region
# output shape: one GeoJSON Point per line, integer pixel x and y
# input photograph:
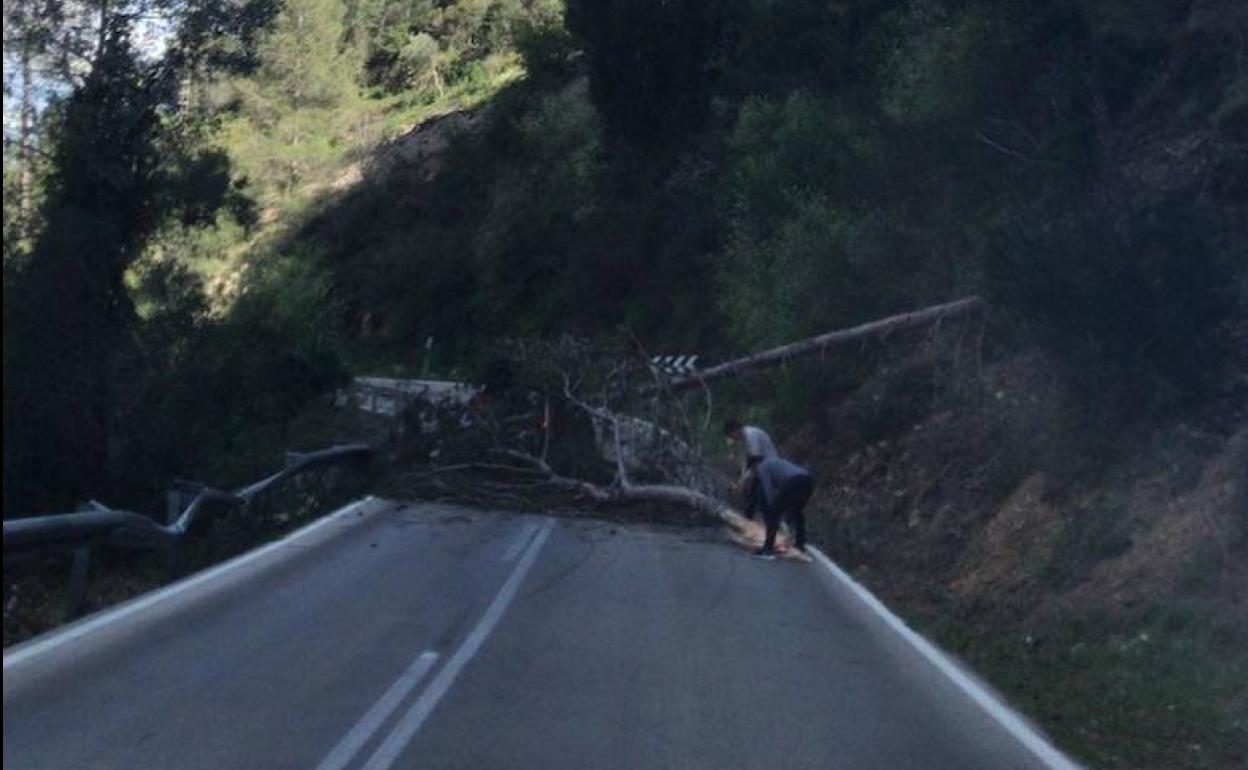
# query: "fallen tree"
{"type": "Point", "coordinates": [547, 434]}
{"type": "Point", "coordinates": [603, 426]}
{"type": "Point", "coordinates": [873, 330]}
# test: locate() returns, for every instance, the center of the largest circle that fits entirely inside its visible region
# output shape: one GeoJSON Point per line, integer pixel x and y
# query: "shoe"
{"type": "Point", "coordinates": [765, 554]}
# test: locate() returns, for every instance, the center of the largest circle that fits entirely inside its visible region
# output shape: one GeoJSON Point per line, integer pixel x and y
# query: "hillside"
{"type": "Point", "coordinates": [1099, 582]}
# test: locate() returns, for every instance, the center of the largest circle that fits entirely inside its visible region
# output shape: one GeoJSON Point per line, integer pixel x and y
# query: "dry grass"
{"type": "Point", "coordinates": [1099, 578]}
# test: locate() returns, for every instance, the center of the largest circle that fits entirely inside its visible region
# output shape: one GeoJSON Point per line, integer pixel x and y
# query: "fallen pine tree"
{"type": "Point", "coordinates": [873, 330]}
{"type": "Point", "coordinates": [547, 435]}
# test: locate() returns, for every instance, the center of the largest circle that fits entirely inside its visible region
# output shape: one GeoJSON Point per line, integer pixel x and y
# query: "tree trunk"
{"type": "Point", "coordinates": [742, 531]}
{"type": "Point", "coordinates": [101, 33]}
{"type": "Point", "coordinates": [622, 489]}
{"type": "Point", "coordinates": [26, 130]}
{"type": "Point", "coordinates": [784, 353]}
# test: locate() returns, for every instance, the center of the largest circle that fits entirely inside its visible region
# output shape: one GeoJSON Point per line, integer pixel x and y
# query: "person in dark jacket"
{"type": "Point", "coordinates": [785, 487]}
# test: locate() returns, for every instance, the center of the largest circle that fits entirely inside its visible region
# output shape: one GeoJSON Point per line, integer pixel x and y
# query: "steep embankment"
{"type": "Point", "coordinates": [1096, 572]}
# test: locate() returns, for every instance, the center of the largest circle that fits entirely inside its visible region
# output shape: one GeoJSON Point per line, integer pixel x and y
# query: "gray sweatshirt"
{"type": "Point", "coordinates": [757, 445]}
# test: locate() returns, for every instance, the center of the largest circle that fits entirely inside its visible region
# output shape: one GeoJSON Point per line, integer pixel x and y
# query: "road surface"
{"type": "Point", "coordinates": [424, 636]}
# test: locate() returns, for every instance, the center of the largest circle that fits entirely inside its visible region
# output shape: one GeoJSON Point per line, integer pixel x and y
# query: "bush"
{"type": "Point", "coordinates": [545, 46]}
{"type": "Point", "coordinates": [532, 275]}
{"type": "Point", "coordinates": [809, 251]}
{"type": "Point", "coordinates": [651, 64]}
{"type": "Point", "coordinates": [1127, 298]}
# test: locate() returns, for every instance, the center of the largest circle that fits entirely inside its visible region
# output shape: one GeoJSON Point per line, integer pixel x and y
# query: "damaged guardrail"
{"type": "Point", "coordinates": [98, 524]}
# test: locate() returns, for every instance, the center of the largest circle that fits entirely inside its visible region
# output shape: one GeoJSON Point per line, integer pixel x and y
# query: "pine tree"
{"type": "Point", "coordinates": [31, 29]}
{"type": "Point", "coordinates": [71, 308]}
{"type": "Point", "coordinates": [300, 101]}
{"type": "Point", "coordinates": [303, 63]}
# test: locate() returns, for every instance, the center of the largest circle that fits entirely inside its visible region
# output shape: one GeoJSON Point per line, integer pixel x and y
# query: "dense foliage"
{"type": "Point", "coordinates": [711, 176]}
{"type": "Point", "coordinates": [779, 169]}
{"type": "Point", "coordinates": [68, 317]}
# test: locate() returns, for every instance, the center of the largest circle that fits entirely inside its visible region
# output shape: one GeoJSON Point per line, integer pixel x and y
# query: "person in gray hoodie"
{"type": "Point", "coordinates": [757, 446]}
{"type": "Point", "coordinates": [785, 489]}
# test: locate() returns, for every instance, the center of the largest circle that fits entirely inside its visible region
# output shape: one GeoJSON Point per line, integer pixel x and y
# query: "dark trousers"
{"type": "Point", "coordinates": [790, 502]}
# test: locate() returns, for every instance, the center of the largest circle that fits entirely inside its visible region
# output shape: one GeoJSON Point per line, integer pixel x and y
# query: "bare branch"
{"type": "Point", "coordinates": [621, 473]}
{"type": "Point", "coordinates": [1006, 150]}
{"type": "Point", "coordinates": [27, 147]}
{"type": "Point", "coordinates": [545, 428]}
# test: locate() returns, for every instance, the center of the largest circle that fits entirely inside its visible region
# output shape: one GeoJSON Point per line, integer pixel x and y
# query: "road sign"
{"type": "Point", "coordinates": [674, 365]}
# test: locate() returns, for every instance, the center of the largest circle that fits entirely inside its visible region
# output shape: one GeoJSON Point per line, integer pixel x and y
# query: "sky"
{"type": "Point", "coordinates": [150, 37]}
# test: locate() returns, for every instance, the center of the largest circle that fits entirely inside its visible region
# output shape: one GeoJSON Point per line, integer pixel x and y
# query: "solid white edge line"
{"type": "Point", "coordinates": [1048, 755]}
{"type": "Point", "coordinates": [411, 722]}
{"type": "Point", "coordinates": [342, 754]}
{"type": "Point", "coordinates": [107, 617]}
{"type": "Point", "coordinates": [522, 538]}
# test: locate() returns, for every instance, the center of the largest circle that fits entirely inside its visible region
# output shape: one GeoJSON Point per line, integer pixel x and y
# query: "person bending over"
{"type": "Point", "coordinates": [785, 488]}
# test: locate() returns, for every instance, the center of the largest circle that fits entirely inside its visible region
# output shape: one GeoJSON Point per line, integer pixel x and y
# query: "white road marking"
{"type": "Point", "coordinates": [406, 728]}
{"type": "Point", "coordinates": [372, 720]}
{"type": "Point", "coordinates": [1048, 755]}
{"type": "Point", "coordinates": [79, 630]}
{"type": "Point", "coordinates": [522, 538]}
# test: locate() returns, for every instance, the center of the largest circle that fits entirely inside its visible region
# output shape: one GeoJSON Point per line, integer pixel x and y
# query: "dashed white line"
{"type": "Point", "coordinates": [371, 722]}
{"type": "Point", "coordinates": [521, 539]}
{"type": "Point", "coordinates": [406, 728]}
{"type": "Point", "coordinates": [1049, 756]}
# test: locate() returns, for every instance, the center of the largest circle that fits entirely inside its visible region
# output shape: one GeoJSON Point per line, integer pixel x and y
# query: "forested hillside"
{"type": "Point", "coordinates": [203, 238]}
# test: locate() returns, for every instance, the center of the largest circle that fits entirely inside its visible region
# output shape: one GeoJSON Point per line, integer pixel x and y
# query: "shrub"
{"type": "Point", "coordinates": [1128, 297]}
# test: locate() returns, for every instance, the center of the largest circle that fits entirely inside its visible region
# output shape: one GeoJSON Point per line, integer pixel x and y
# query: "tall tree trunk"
{"type": "Point", "coordinates": [102, 32]}
{"type": "Point", "coordinates": [873, 330]}
{"type": "Point", "coordinates": [25, 137]}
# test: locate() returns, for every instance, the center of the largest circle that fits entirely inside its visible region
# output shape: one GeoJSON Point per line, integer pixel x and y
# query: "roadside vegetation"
{"type": "Point", "coordinates": [200, 244]}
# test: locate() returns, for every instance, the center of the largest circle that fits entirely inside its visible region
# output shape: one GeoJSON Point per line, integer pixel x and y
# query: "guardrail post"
{"type": "Point", "coordinates": [173, 505]}
{"type": "Point", "coordinates": [173, 560]}
{"type": "Point", "coordinates": [76, 594]}
{"type": "Point", "coordinates": [179, 497]}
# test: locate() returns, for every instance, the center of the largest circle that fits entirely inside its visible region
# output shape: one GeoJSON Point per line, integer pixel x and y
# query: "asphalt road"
{"type": "Point", "coordinates": [433, 637]}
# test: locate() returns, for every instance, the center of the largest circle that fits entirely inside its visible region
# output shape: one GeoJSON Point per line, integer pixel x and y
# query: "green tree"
{"type": "Point", "coordinates": [294, 113]}
{"type": "Point", "coordinates": [71, 309]}
{"type": "Point", "coordinates": [30, 40]}
{"type": "Point", "coordinates": [652, 63]}
{"type": "Point", "coordinates": [428, 46]}
{"type": "Point", "coordinates": [116, 175]}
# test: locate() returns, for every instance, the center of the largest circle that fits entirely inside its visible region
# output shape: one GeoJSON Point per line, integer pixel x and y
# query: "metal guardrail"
{"type": "Point", "coordinates": [100, 524]}
{"type": "Point", "coordinates": [390, 397]}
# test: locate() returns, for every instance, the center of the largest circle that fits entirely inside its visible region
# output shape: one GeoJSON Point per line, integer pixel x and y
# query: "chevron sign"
{"type": "Point", "coordinates": [674, 365]}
